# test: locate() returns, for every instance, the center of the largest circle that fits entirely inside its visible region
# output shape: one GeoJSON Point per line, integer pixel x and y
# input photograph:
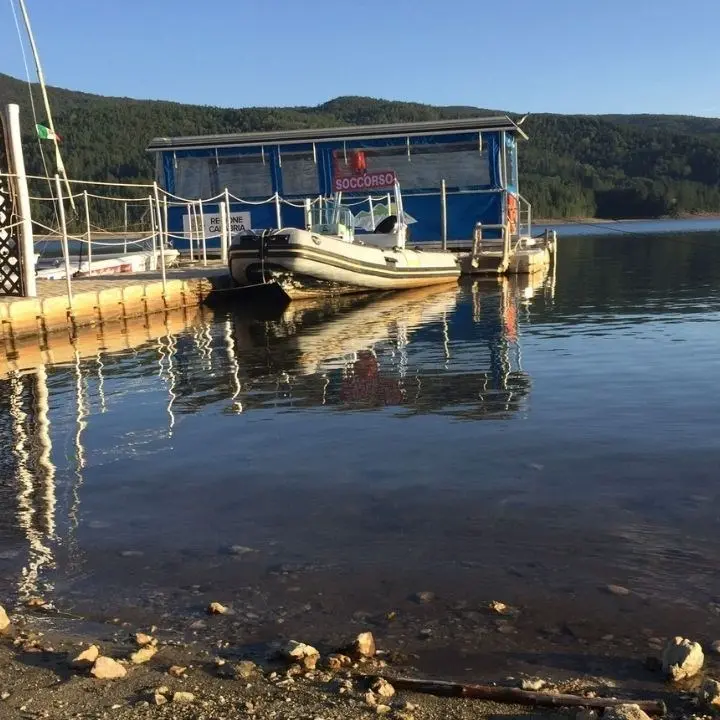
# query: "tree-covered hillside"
{"type": "Point", "coordinates": [574, 165]}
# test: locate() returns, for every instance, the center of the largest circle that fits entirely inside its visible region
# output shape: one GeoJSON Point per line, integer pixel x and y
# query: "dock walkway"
{"type": "Point", "coordinates": [105, 298]}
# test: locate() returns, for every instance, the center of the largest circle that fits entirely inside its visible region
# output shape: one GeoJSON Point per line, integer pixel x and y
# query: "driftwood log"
{"type": "Point", "coordinates": [516, 696]}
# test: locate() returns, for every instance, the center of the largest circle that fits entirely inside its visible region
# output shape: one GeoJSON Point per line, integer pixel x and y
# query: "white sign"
{"type": "Point", "coordinates": [239, 223]}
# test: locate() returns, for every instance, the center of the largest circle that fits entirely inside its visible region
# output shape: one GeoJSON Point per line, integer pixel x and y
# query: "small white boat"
{"type": "Point", "coordinates": [328, 258]}
{"type": "Point", "coordinates": [141, 261]}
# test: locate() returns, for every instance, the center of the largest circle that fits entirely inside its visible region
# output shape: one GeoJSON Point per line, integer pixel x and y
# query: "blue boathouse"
{"type": "Point", "coordinates": [471, 164]}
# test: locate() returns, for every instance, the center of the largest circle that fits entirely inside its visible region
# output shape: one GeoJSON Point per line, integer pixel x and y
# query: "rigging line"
{"type": "Point", "coordinates": [32, 101]}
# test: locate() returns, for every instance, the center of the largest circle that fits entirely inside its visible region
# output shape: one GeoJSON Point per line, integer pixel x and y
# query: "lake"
{"type": "Point", "coordinates": [526, 441]}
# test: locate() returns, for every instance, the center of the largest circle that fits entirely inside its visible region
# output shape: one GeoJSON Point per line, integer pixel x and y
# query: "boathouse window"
{"type": "Point", "coordinates": [245, 176]}
{"type": "Point", "coordinates": [192, 178]}
{"type": "Point", "coordinates": [426, 165]}
{"type": "Point", "coordinates": [299, 173]}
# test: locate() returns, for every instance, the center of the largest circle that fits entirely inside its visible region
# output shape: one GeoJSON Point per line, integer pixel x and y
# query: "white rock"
{"type": "Point", "coordinates": [365, 645]}
{"type": "Point", "coordinates": [682, 658]}
{"type": "Point", "coordinates": [86, 658]}
{"type": "Point", "coordinates": [297, 650]}
{"type": "Point", "coordinates": [143, 654]}
{"type": "Point", "coordinates": [183, 698]}
{"type": "Point", "coordinates": [106, 668]}
{"type": "Point", "coordinates": [710, 693]}
{"type": "Point", "coordinates": [383, 688]}
{"type": "Point", "coordinates": [625, 712]}
{"type": "Point", "coordinates": [142, 639]}
{"type": "Point", "coordinates": [617, 590]}
{"type": "Point", "coordinates": [532, 684]}
{"type": "Point", "coordinates": [4, 619]}
{"type": "Point", "coordinates": [216, 608]}
{"type": "Point", "coordinates": [382, 709]}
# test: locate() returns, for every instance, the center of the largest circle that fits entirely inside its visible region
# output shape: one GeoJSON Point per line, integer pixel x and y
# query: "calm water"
{"type": "Point", "coordinates": [525, 442]}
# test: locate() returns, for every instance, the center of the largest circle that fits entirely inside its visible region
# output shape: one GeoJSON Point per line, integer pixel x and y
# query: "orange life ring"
{"type": "Point", "coordinates": [512, 212]}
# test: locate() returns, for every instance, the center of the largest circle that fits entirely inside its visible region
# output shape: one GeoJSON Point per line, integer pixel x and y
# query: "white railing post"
{"type": "Point", "coordinates": [372, 213]}
{"type": "Point", "coordinates": [202, 231]}
{"type": "Point", "coordinates": [17, 168]}
{"type": "Point", "coordinates": [307, 207]}
{"type": "Point", "coordinates": [443, 213]}
{"type": "Point", "coordinates": [160, 232]}
{"type": "Point", "coordinates": [153, 264]}
{"type": "Point", "coordinates": [223, 232]}
{"type": "Point", "coordinates": [227, 219]}
{"type": "Point", "coordinates": [88, 229]}
{"type": "Point", "coordinates": [188, 207]}
{"type": "Point", "coordinates": [278, 213]}
{"type": "Point", "coordinates": [64, 238]}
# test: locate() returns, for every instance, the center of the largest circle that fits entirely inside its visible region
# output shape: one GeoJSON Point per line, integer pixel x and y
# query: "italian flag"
{"type": "Point", "coordinates": [45, 133]}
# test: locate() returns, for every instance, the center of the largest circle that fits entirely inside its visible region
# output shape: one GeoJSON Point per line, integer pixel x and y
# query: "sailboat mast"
{"type": "Point", "coordinates": [46, 101]}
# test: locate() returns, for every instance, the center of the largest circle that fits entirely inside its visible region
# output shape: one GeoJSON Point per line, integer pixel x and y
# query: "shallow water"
{"type": "Point", "coordinates": [525, 441]}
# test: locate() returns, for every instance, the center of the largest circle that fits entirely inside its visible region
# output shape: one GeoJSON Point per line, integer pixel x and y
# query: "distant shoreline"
{"type": "Point", "coordinates": [599, 221]}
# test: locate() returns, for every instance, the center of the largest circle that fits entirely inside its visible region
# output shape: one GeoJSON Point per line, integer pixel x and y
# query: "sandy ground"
{"type": "Point", "coordinates": [38, 681]}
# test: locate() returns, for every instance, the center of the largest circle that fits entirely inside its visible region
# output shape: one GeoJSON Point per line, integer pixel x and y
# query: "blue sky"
{"type": "Point", "coordinates": [566, 56]}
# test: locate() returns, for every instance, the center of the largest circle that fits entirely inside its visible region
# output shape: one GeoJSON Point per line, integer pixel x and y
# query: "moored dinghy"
{"type": "Point", "coordinates": [328, 257]}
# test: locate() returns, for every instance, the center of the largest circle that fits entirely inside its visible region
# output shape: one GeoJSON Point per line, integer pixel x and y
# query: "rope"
{"type": "Point", "coordinates": [32, 99]}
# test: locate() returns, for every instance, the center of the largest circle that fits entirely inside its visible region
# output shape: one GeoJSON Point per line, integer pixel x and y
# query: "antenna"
{"type": "Point", "coordinates": [41, 78]}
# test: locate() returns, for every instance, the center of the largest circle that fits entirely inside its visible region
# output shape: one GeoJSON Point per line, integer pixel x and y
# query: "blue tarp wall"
{"type": "Point", "coordinates": [467, 203]}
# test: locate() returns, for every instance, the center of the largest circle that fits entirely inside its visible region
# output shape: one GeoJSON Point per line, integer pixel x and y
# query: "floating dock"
{"type": "Point", "coordinates": [108, 298]}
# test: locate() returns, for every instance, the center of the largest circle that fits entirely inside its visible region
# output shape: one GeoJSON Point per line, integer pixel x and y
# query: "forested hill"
{"type": "Point", "coordinates": [574, 165]}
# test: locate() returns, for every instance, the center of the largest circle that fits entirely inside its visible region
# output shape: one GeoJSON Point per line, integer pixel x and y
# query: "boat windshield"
{"type": "Point", "coordinates": [332, 219]}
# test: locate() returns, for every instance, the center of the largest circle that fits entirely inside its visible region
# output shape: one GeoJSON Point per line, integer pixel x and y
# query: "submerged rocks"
{"type": "Point", "coordinates": [364, 645]}
{"type": "Point", "coordinates": [424, 597]}
{"type": "Point", "coordinates": [617, 590]}
{"type": "Point", "coordinates": [86, 658]}
{"type": "Point", "coordinates": [625, 712]}
{"type": "Point", "coordinates": [682, 659]}
{"type": "Point", "coordinates": [177, 671]}
{"type": "Point", "coordinates": [4, 620]}
{"type": "Point", "coordinates": [106, 668]}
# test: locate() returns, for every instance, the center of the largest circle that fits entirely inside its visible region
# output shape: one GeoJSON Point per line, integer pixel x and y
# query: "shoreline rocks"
{"type": "Point", "coordinates": [4, 620]}
{"type": "Point", "coordinates": [142, 655]}
{"type": "Point", "coordinates": [682, 659]}
{"type": "Point", "coordinates": [106, 668]}
{"type": "Point", "coordinates": [306, 655]}
{"type": "Point", "coordinates": [86, 658]}
{"type": "Point", "coordinates": [364, 645]}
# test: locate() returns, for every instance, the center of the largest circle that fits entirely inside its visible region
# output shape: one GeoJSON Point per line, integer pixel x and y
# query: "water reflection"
{"type": "Point", "coordinates": [411, 353]}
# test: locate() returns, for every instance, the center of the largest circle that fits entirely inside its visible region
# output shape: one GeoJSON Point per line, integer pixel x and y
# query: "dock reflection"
{"type": "Point", "coordinates": [453, 350]}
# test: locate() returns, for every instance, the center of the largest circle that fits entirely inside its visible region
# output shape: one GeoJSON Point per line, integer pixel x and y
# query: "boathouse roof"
{"type": "Point", "coordinates": [430, 127]}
